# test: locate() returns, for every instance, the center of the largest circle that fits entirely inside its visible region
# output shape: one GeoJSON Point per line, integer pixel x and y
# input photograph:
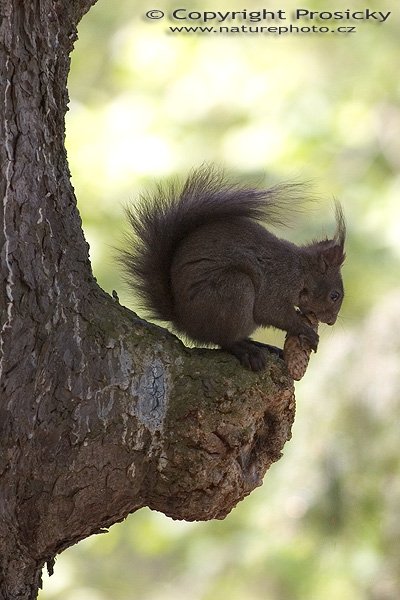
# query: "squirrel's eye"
{"type": "Point", "coordinates": [334, 296]}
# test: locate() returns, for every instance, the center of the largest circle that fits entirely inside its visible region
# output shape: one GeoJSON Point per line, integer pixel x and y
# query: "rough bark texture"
{"type": "Point", "coordinates": [100, 412]}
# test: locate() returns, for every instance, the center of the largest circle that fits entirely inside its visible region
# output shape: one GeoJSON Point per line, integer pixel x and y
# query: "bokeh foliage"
{"type": "Point", "coordinates": [146, 104]}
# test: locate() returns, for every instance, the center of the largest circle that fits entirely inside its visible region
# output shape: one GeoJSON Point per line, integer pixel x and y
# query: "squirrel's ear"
{"type": "Point", "coordinates": [331, 252]}
{"type": "Point", "coordinates": [333, 256]}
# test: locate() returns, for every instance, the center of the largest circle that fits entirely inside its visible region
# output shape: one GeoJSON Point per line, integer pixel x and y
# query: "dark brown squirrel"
{"type": "Point", "coordinates": [199, 258]}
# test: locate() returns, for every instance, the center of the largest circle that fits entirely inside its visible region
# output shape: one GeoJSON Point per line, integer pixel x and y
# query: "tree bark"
{"type": "Point", "coordinates": [101, 413]}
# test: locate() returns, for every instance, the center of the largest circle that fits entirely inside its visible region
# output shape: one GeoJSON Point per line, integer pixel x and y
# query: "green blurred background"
{"type": "Point", "coordinates": [146, 105]}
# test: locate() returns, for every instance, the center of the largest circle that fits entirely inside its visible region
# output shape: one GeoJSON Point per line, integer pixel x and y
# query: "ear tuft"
{"type": "Point", "coordinates": [340, 234]}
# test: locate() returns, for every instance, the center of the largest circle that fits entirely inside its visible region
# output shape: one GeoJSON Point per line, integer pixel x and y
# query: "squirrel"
{"type": "Point", "coordinates": [199, 258]}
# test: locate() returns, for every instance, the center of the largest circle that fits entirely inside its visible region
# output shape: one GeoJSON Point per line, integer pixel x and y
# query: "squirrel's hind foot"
{"type": "Point", "coordinates": [252, 354]}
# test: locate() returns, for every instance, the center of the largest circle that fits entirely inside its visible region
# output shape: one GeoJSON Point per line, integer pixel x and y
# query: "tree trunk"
{"type": "Point", "coordinates": [101, 413]}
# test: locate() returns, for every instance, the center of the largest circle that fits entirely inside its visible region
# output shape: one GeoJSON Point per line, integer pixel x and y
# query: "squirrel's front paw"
{"type": "Point", "coordinates": [309, 339]}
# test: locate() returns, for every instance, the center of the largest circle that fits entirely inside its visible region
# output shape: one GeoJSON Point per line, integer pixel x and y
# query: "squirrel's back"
{"type": "Point", "coordinates": [160, 222]}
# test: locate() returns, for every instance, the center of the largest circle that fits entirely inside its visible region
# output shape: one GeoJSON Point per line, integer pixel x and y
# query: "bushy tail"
{"type": "Point", "coordinates": [160, 222]}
